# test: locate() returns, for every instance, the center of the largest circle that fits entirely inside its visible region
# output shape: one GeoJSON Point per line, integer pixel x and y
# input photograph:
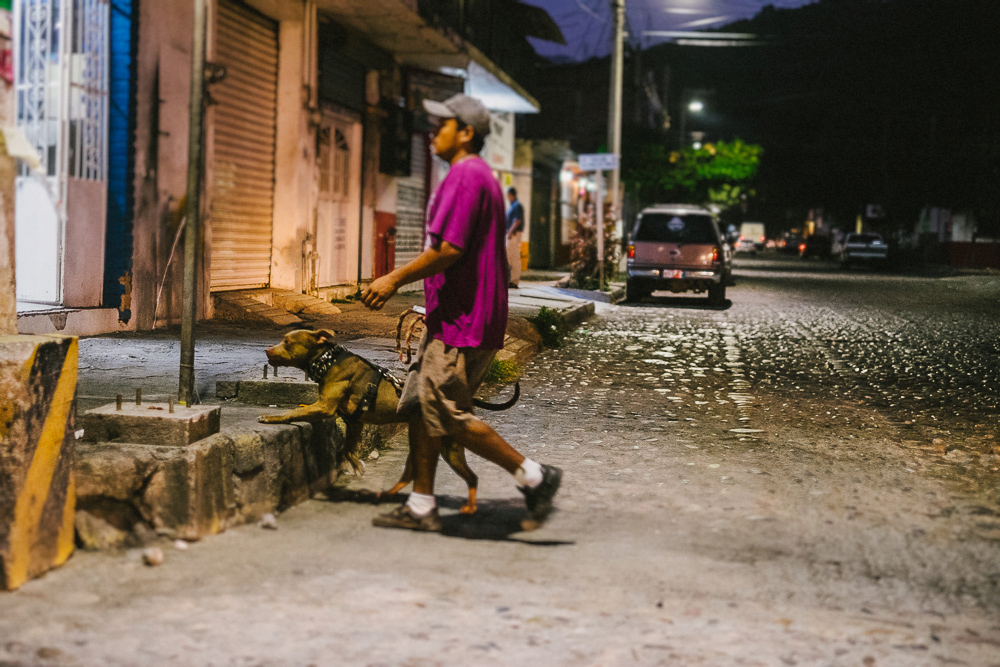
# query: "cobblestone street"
{"type": "Point", "coordinates": [807, 476]}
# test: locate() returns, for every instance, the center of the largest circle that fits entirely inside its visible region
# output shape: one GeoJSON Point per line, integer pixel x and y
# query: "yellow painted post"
{"type": "Point", "coordinates": [37, 438]}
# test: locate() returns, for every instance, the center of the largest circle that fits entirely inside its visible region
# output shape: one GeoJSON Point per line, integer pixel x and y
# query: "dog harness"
{"type": "Point", "coordinates": [321, 365]}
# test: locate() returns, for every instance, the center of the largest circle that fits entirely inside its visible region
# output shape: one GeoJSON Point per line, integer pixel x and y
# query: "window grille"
{"type": "Point", "coordinates": [61, 83]}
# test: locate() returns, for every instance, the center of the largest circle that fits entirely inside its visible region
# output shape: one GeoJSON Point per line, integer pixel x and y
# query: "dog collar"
{"type": "Point", "coordinates": [319, 366]}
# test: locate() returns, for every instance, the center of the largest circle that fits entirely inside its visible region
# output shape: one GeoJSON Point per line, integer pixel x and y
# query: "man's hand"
{"type": "Point", "coordinates": [378, 292]}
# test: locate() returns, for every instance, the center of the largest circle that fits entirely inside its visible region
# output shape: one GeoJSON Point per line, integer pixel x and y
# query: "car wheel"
{"type": "Point", "coordinates": [717, 294]}
{"type": "Point", "coordinates": [632, 292]}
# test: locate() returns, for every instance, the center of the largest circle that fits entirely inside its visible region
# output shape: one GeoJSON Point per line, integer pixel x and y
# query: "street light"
{"type": "Point", "coordinates": [694, 106]}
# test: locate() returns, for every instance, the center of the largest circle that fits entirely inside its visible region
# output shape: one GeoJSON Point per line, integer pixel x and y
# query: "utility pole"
{"type": "Point", "coordinates": [192, 234]}
{"type": "Point", "coordinates": [615, 103]}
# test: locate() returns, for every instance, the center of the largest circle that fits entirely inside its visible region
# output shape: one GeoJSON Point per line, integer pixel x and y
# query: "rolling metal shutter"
{"type": "Point", "coordinates": [411, 202]}
{"type": "Point", "coordinates": [242, 202]}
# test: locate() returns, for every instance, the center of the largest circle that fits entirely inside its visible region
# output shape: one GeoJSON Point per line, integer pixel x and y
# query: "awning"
{"type": "Point", "coordinates": [397, 27]}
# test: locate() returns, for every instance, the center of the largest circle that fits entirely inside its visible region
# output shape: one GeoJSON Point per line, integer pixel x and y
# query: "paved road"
{"type": "Point", "coordinates": [808, 476]}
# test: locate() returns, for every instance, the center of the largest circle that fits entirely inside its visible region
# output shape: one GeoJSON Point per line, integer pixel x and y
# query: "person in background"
{"type": "Point", "coordinates": [515, 232]}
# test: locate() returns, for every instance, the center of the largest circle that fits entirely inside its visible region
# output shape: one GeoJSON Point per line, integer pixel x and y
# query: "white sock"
{"type": "Point", "coordinates": [529, 474]}
{"type": "Point", "coordinates": [421, 504]}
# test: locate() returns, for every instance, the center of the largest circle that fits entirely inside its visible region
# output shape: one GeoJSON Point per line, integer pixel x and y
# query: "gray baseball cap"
{"type": "Point", "coordinates": [467, 109]}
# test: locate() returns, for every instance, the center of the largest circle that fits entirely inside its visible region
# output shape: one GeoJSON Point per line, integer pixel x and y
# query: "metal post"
{"type": "Point", "coordinates": [599, 225]}
{"type": "Point", "coordinates": [193, 232]}
{"type": "Point", "coordinates": [615, 106]}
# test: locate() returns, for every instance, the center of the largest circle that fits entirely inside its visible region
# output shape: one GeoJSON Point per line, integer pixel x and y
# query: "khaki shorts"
{"type": "Point", "coordinates": [442, 382]}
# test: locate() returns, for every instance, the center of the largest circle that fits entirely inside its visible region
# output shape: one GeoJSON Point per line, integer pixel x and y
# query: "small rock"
{"type": "Point", "coordinates": [152, 556]}
{"type": "Point", "coordinates": [373, 455]}
{"type": "Point", "coordinates": [180, 545]}
{"type": "Point", "coordinates": [50, 653]}
{"type": "Point", "coordinates": [269, 521]}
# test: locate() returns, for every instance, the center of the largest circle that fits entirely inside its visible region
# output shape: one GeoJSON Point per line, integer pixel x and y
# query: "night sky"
{"type": "Point", "coordinates": [587, 24]}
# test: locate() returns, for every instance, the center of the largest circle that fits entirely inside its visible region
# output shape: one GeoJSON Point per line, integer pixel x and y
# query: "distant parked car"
{"type": "Point", "coordinates": [791, 243]}
{"type": "Point", "coordinates": [863, 249]}
{"type": "Point", "coordinates": [678, 248]}
{"type": "Point", "coordinates": [818, 245]}
{"type": "Point", "coordinates": [752, 237]}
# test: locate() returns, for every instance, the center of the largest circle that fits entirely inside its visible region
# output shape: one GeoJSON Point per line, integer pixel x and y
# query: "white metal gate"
{"type": "Point", "coordinates": [61, 89]}
{"type": "Point", "coordinates": [243, 137]}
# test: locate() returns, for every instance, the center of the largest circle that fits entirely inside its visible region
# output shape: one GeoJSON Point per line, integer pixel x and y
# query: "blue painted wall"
{"type": "Point", "coordinates": [121, 156]}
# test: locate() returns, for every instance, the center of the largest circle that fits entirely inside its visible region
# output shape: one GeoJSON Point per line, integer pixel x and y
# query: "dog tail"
{"type": "Point", "coordinates": [496, 407]}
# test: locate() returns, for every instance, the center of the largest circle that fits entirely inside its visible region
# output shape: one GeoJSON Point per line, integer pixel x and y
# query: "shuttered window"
{"type": "Point", "coordinates": [242, 187]}
{"type": "Point", "coordinates": [411, 201]}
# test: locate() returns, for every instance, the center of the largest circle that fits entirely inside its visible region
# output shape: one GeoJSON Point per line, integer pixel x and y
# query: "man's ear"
{"type": "Point", "coordinates": [325, 336]}
{"type": "Point", "coordinates": [466, 134]}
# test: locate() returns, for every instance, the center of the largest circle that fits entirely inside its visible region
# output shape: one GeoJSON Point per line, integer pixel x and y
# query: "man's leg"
{"type": "Point", "coordinates": [426, 449]}
{"type": "Point", "coordinates": [538, 483]}
{"type": "Point", "coordinates": [479, 438]}
{"type": "Point", "coordinates": [420, 510]}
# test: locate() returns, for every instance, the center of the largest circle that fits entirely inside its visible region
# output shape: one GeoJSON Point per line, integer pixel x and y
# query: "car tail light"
{"type": "Point", "coordinates": [631, 252]}
{"type": "Point", "coordinates": [715, 254]}
{"type": "Point", "coordinates": [762, 239]}
{"type": "Point", "coordinates": [802, 247]}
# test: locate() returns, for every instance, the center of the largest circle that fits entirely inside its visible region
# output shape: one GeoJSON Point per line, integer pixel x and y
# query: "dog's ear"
{"type": "Point", "coordinates": [324, 336]}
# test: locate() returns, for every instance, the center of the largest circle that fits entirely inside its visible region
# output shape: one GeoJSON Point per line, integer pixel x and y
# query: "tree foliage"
{"type": "Point", "coordinates": [722, 173]}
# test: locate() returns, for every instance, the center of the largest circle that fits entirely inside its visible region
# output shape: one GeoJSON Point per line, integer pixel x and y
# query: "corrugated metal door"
{"type": "Point", "coordinates": [242, 188]}
{"type": "Point", "coordinates": [411, 202]}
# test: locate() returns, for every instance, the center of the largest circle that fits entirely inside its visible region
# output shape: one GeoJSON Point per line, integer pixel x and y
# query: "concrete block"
{"type": "Point", "coordinates": [151, 423]}
{"type": "Point", "coordinates": [227, 389]}
{"type": "Point", "coordinates": [37, 425]}
{"type": "Point", "coordinates": [248, 453]}
{"type": "Point", "coordinates": [575, 315]}
{"type": "Point", "coordinates": [277, 392]}
{"type": "Point", "coordinates": [284, 319]}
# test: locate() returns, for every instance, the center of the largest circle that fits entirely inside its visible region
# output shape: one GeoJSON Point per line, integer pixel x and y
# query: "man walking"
{"type": "Point", "coordinates": [465, 277]}
{"type": "Point", "coordinates": [515, 232]}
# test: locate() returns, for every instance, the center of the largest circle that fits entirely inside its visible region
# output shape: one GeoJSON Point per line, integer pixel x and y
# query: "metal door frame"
{"type": "Point", "coordinates": [86, 100]}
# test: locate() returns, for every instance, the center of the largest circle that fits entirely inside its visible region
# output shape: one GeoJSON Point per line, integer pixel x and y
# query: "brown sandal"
{"type": "Point", "coordinates": [402, 517]}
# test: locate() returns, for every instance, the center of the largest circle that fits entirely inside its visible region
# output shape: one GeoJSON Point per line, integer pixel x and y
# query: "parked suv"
{"type": "Point", "coordinates": [677, 248]}
{"type": "Point", "coordinates": [863, 249]}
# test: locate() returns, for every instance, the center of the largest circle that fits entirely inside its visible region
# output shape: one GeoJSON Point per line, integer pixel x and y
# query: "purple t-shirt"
{"type": "Point", "coordinates": [467, 303]}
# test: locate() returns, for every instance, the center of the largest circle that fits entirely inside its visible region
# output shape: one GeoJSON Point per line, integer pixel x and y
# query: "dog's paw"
{"type": "Point", "coordinates": [269, 419]}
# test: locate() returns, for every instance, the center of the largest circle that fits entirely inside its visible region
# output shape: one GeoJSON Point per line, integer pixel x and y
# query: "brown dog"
{"type": "Point", "coordinates": [360, 393]}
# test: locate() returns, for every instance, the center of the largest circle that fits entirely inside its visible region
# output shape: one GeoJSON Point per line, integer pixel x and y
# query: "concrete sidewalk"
{"type": "Point", "coordinates": [131, 492]}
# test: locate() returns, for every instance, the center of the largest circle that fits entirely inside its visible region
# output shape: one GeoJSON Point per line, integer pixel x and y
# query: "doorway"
{"type": "Point", "coordinates": [338, 209]}
{"type": "Point", "coordinates": [61, 91]}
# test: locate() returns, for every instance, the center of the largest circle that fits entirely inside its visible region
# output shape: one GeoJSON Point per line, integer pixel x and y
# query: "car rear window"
{"type": "Point", "coordinates": [864, 238]}
{"type": "Point", "coordinates": [669, 228]}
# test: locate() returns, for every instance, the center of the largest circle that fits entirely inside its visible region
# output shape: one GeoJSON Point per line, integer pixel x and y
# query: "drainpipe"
{"type": "Point", "coordinates": [361, 197]}
{"type": "Point", "coordinates": [192, 235]}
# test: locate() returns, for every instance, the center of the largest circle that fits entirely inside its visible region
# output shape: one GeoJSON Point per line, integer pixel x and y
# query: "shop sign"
{"type": "Point", "coordinates": [499, 149]}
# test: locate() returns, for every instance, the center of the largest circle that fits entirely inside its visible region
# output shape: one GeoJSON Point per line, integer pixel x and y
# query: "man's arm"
{"type": "Point", "coordinates": [430, 262]}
